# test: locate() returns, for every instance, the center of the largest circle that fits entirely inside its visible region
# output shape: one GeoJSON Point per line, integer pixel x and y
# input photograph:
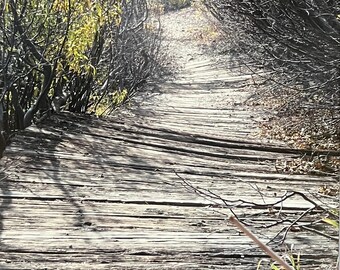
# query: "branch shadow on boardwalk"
{"type": "Point", "coordinates": [102, 193]}
{"type": "Point", "coordinates": [6, 200]}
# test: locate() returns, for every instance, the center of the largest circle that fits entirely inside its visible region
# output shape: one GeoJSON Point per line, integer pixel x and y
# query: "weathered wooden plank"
{"type": "Point", "coordinates": [79, 192]}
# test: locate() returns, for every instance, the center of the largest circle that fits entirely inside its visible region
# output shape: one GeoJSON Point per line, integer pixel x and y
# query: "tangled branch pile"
{"type": "Point", "coordinates": [76, 55]}
{"type": "Point", "coordinates": [297, 43]}
{"type": "Point", "coordinates": [274, 214]}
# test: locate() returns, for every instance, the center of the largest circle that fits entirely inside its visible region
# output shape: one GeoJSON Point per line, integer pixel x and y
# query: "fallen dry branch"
{"type": "Point", "coordinates": [297, 221]}
{"type": "Point", "coordinates": [257, 241]}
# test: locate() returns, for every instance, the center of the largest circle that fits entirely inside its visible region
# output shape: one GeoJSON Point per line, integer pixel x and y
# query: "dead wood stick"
{"type": "Point", "coordinates": [265, 248]}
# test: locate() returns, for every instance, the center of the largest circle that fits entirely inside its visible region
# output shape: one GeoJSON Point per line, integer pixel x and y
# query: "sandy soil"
{"type": "Point", "coordinates": [188, 34]}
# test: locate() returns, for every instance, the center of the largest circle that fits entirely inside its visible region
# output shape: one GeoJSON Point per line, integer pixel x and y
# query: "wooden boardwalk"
{"type": "Point", "coordinates": [85, 193]}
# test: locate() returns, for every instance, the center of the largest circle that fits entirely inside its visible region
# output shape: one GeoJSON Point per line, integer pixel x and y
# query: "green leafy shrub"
{"type": "Point", "coordinates": [71, 55]}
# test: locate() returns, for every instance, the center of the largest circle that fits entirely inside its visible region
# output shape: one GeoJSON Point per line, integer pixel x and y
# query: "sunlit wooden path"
{"type": "Point", "coordinates": [85, 193]}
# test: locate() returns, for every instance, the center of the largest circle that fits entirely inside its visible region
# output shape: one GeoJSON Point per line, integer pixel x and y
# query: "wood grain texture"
{"type": "Point", "coordinates": [78, 192]}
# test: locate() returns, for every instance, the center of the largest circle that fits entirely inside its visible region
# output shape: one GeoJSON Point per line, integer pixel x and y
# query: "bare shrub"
{"type": "Point", "coordinates": [71, 55]}
{"type": "Point", "coordinates": [296, 43]}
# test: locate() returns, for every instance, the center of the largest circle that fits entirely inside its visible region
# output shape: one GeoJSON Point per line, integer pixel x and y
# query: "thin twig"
{"type": "Point", "coordinates": [321, 233]}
